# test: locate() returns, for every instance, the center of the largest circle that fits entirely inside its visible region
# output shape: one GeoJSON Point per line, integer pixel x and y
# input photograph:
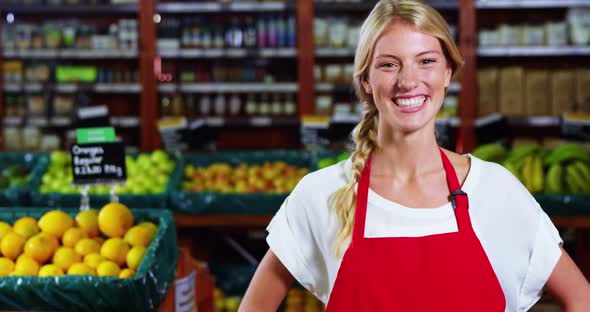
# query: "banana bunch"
{"type": "Point", "coordinates": [525, 162]}
{"type": "Point", "coordinates": [569, 170]}
{"type": "Point", "coordinates": [490, 152]}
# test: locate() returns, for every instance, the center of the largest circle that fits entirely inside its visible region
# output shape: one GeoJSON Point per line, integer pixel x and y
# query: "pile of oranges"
{"type": "Point", "coordinates": [102, 243]}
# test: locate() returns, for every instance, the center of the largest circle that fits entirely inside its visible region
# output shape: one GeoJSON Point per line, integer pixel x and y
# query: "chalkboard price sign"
{"type": "Point", "coordinates": [98, 163]}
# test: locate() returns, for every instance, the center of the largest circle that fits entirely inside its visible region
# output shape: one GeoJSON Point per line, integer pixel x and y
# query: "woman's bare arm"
{"type": "Point", "coordinates": [568, 285]}
{"type": "Point", "coordinates": [268, 286]}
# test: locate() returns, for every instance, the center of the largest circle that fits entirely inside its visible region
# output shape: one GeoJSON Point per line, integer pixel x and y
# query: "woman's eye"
{"type": "Point", "coordinates": [428, 61]}
{"type": "Point", "coordinates": [387, 65]}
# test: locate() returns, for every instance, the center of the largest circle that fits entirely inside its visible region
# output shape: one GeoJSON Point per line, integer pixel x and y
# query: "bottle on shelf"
{"type": "Point", "coordinates": [235, 104]}
{"type": "Point", "coordinates": [251, 105]}
{"type": "Point", "coordinates": [205, 105]}
{"type": "Point", "coordinates": [220, 105]}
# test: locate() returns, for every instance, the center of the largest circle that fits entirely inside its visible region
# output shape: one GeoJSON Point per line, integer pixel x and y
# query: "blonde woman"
{"type": "Point", "coordinates": [404, 225]}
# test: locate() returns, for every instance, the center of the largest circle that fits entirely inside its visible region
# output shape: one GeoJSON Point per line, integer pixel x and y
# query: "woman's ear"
{"type": "Point", "coordinates": [448, 75]}
{"type": "Point", "coordinates": [367, 85]}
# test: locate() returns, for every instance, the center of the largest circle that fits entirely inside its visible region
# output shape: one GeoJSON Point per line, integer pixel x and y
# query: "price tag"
{"type": "Point", "coordinates": [576, 126]}
{"type": "Point", "coordinates": [98, 163]}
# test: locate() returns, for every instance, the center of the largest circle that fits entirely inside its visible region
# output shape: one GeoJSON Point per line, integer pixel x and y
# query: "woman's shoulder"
{"type": "Point", "coordinates": [326, 180]}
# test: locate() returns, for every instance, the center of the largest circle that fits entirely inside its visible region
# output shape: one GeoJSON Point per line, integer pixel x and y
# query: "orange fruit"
{"type": "Point", "coordinates": [26, 266]}
{"type": "Point", "coordinates": [125, 273]}
{"type": "Point", "coordinates": [88, 221]}
{"type": "Point", "coordinates": [80, 269]}
{"type": "Point", "coordinates": [134, 257]}
{"type": "Point", "coordinates": [139, 236]}
{"type": "Point", "coordinates": [87, 246]}
{"type": "Point", "coordinates": [56, 222]}
{"type": "Point", "coordinates": [108, 268]}
{"type": "Point", "coordinates": [26, 226]}
{"type": "Point", "coordinates": [115, 219]}
{"type": "Point", "coordinates": [93, 260]}
{"type": "Point", "coordinates": [39, 247]}
{"type": "Point", "coordinates": [72, 236]}
{"type": "Point", "coordinates": [64, 257]}
{"type": "Point", "coordinates": [12, 245]}
{"type": "Point", "coordinates": [6, 266]}
{"type": "Point", "coordinates": [50, 270]}
{"type": "Point", "coordinates": [115, 249]}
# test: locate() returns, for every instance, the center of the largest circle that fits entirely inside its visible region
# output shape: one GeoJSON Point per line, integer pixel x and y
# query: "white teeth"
{"type": "Point", "coordinates": [413, 102]}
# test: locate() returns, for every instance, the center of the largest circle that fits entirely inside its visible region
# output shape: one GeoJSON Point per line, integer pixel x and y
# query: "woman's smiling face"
{"type": "Point", "coordinates": [407, 77]}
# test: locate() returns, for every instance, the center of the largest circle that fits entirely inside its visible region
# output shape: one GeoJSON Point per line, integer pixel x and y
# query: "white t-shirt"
{"type": "Point", "coordinates": [520, 241]}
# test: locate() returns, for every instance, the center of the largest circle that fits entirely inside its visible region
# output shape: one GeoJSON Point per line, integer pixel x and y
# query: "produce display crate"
{"type": "Point", "coordinates": [142, 292]}
{"type": "Point", "coordinates": [565, 205]}
{"type": "Point", "coordinates": [235, 203]}
{"type": "Point", "coordinates": [61, 200]}
{"type": "Point", "coordinates": [18, 196]}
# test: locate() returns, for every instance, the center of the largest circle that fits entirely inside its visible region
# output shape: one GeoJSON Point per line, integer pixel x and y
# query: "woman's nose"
{"type": "Point", "coordinates": [407, 79]}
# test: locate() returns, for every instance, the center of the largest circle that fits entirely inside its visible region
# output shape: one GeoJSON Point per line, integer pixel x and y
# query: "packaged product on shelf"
{"type": "Point", "coordinates": [24, 36]}
{"type": "Point", "coordinates": [338, 33]}
{"type": "Point", "coordinates": [205, 105]}
{"type": "Point", "coordinates": [290, 105]}
{"type": "Point", "coordinates": [556, 34]}
{"type": "Point", "coordinates": [37, 105]}
{"type": "Point", "coordinates": [487, 83]}
{"type": "Point", "coordinates": [537, 92]}
{"type": "Point", "coordinates": [13, 72]}
{"type": "Point", "coordinates": [264, 105]}
{"type": "Point", "coordinates": [63, 105]}
{"type": "Point", "coordinates": [533, 35]}
{"type": "Point", "coordinates": [276, 107]}
{"type": "Point", "coordinates": [562, 91]}
{"type": "Point", "coordinates": [488, 37]}
{"type": "Point", "coordinates": [333, 73]}
{"type": "Point", "coordinates": [578, 20]}
{"type": "Point", "coordinates": [318, 72]}
{"type": "Point", "coordinates": [510, 35]}
{"type": "Point", "coordinates": [219, 105]}
{"type": "Point", "coordinates": [348, 72]}
{"type": "Point", "coordinates": [323, 104]}
{"type": "Point", "coordinates": [251, 106]}
{"type": "Point", "coordinates": [451, 106]}
{"type": "Point", "coordinates": [177, 106]}
{"type": "Point", "coordinates": [511, 91]}
{"type": "Point", "coordinates": [50, 142]}
{"type": "Point", "coordinates": [33, 135]}
{"type": "Point", "coordinates": [37, 72]}
{"type": "Point", "coordinates": [235, 104]}
{"type": "Point", "coordinates": [12, 139]}
{"type": "Point", "coordinates": [320, 32]}
{"type": "Point", "coordinates": [583, 90]}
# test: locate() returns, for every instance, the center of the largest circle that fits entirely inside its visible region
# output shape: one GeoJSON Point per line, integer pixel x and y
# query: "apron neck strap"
{"type": "Point", "coordinates": [458, 197]}
{"type": "Point", "coordinates": [360, 212]}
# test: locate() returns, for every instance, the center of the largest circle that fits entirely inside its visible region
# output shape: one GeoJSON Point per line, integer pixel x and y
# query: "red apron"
{"type": "Point", "coordinates": [440, 272]}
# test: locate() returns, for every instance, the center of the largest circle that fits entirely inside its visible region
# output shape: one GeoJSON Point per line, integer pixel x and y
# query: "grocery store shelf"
{"type": "Point", "coordinates": [117, 88]}
{"type": "Point", "coordinates": [72, 87]}
{"type": "Point", "coordinates": [229, 87]}
{"type": "Point", "coordinates": [64, 9]}
{"type": "Point", "coordinates": [534, 121]}
{"type": "Point", "coordinates": [530, 4]}
{"type": "Point", "coordinates": [261, 121]}
{"type": "Point", "coordinates": [70, 53]}
{"type": "Point", "coordinates": [533, 51]}
{"type": "Point", "coordinates": [334, 52]}
{"type": "Point", "coordinates": [229, 53]}
{"type": "Point", "coordinates": [487, 120]}
{"type": "Point", "coordinates": [221, 7]}
{"type": "Point", "coordinates": [332, 87]}
{"type": "Point", "coordinates": [125, 122]}
{"type": "Point", "coordinates": [13, 121]}
{"type": "Point", "coordinates": [189, 221]}
{"type": "Point", "coordinates": [332, 6]}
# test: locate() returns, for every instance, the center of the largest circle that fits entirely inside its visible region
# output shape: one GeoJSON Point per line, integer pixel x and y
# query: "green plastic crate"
{"type": "Point", "coordinates": [565, 205]}
{"type": "Point", "coordinates": [231, 203]}
{"type": "Point", "coordinates": [142, 292]}
{"type": "Point", "coordinates": [19, 195]}
{"type": "Point", "coordinates": [60, 200]}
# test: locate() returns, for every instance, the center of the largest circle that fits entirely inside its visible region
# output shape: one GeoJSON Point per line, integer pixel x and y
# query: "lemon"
{"type": "Point", "coordinates": [40, 247]}
{"type": "Point", "coordinates": [72, 236]}
{"type": "Point", "coordinates": [115, 249]}
{"type": "Point", "coordinates": [151, 227]}
{"type": "Point", "coordinates": [80, 269]}
{"type": "Point", "coordinates": [26, 266]}
{"type": "Point", "coordinates": [93, 260]}
{"type": "Point", "coordinates": [12, 245]}
{"type": "Point", "coordinates": [138, 236]}
{"type": "Point", "coordinates": [50, 270]}
{"type": "Point", "coordinates": [6, 266]}
{"type": "Point", "coordinates": [26, 226]}
{"type": "Point", "coordinates": [108, 268]}
{"type": "Point", "coordinates": [115, 219]}
{"type": "Point", "coordinates": [51, 240]}
{"type": "Point", "coordinates": [134, 257]}
{"type": "Point", "coordinates": [88, 221]}
{"type": "Point", "coordinates": [56, 222]}
{"type": "Point", "coordinates": [64, 257]}
{"type": "Point", "coordinates": [125, 273]}
{"type": "Point", "coordinates": [4, 228]}
{"type": "Point", "coordinates": [87, 246]}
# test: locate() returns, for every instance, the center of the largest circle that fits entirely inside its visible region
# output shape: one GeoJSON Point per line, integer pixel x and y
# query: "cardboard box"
{"type": "Point", "coordinates": [487, 90]}
{"type": "Point", "coordinates": [562, 91]}
{"type": "Point", "coordinates": [511, 91]}
{"type": "Point", "coordinates": [582, 90]}
{"type": "Point", "coordinates": [537, 93]}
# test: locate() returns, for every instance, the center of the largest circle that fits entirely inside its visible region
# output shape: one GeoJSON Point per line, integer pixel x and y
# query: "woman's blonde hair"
{"type": "Point", "coordinates": [425, 19]}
